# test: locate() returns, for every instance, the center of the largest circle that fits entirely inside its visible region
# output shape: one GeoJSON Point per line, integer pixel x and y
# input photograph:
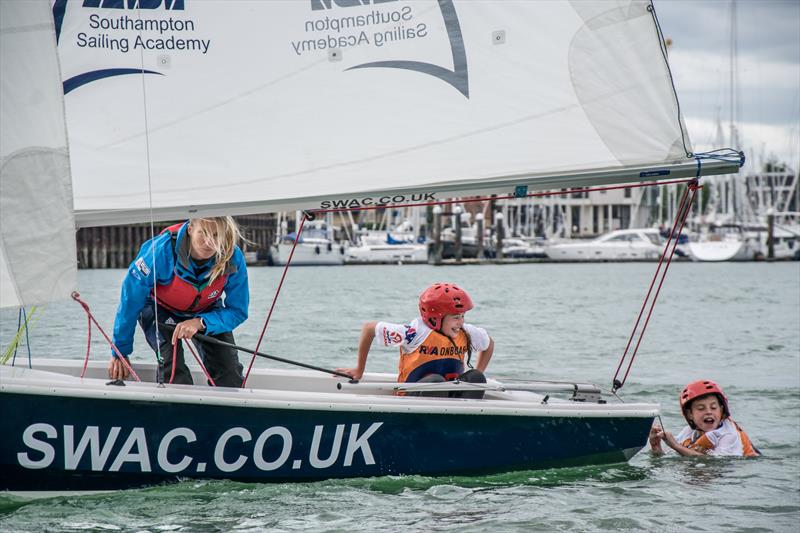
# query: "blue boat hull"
{"type": "Point", "coordinates": [55, 443]}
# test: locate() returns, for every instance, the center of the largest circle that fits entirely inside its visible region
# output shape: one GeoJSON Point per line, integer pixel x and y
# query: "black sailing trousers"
{"type": "Point", "coordinates": [221, 362]}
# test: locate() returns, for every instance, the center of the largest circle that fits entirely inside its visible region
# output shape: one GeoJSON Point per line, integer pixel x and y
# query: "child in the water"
{"type": "Point", "coordinates": [711, 430]}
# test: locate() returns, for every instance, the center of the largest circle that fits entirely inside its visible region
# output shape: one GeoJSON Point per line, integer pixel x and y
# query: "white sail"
{"type": "Point", "coordinates": [37, 228]}
{"type": "Point", "coordinates": [238, 106]}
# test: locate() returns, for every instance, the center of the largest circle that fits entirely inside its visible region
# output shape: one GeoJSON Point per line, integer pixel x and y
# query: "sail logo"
{"type": "Point", "coordinates": [119, 28]}
{"type": "Point", "coordinates": [458, 77]}
{"type": "Point", "coordinates": [135, 4]}
{"type": "Point", "coordinates": [318, 5]}
{"type": "Point", "coordinates": [397, 199]}
{"type": "Point", "coordinates": [180, 450]}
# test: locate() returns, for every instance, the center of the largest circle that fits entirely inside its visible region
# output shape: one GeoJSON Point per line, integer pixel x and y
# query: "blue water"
{"type": "Point", "coordinates": [738, 324]}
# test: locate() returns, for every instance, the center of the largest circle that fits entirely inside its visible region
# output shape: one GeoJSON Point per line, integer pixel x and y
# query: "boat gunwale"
{"type": "Point", "coordinates": [94, 388]}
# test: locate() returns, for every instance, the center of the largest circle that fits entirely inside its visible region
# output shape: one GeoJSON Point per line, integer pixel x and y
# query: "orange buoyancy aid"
{"type": "Point", "coordinates": [703, 444]}
{"type": "Point", "coordinates": [438, 354]}
{"type": "Point", "coordinates": [183, 296]}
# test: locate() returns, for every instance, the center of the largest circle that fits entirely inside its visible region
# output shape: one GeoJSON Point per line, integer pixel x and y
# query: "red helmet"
{"type": "Point", "coordinates": [442, 299]}
{"type": "Point", "coordinates": [699, 388]}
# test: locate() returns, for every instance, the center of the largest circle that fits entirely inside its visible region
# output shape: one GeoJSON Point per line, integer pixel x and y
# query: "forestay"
{"type": "Point", "coordinates": [37, 229]}
{"type": "Point", "coordinates": [239, 106]}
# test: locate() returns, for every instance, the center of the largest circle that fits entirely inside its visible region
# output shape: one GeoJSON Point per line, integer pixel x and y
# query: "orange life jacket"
{"type": "Point", "coordinates": [437, 354]}
{"type": "Point", "coordinates": [704, 445]}
{"type": "Point", "coordinates": [182, 296]}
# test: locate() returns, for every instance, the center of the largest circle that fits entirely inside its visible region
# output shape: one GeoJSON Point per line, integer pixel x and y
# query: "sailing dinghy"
{"type": "Point", "coordinates": [179, 109]}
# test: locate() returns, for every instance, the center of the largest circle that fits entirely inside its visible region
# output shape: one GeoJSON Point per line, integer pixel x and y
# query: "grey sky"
{"type": "Point", "coordinates": [768, 81]}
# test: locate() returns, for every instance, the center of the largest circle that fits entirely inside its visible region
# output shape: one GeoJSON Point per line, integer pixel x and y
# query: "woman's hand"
{"type": "Point", "coordinates": [186, 329]}
{"type": "Point", "coordinates": [352, 372]}
{"type": "Point", "coordinates": [117, 369]}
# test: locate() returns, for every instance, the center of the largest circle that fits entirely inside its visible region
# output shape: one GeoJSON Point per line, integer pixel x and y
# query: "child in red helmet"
{"type": "Point", "coordinates": [711, 430]}
{"type": "Point", "coordinates": [436, 345]}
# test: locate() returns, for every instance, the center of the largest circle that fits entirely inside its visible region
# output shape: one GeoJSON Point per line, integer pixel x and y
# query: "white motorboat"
{"type": "Point", "coordinates": [314, 248]}
{"type": "Point", "coordinates": [381, 248]}
{"type": "Point", "coordinates": [310, 251]}
{"type": "Point", "coordinates": [619, 245]}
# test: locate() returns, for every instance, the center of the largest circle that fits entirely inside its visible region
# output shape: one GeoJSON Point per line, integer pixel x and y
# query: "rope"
{"type": "Point", "coordinates": [88, 344]}
{"type": "Point", "coordinates": [20, 325]}
{"type": "Point", "coordinates": [683, 211]}
{"type": "Point", "coordinates": [77, 297]}
{"type": "Point", "coordinates": [174, 360]}
{"type": "Point", "coordinates": [200, 362]}
{"type": "Point", "coordinates": [275, 298]}
{"type": "Point", "coordinates": [25, 321]}
{"type": "Point", "coordinates": [196, 358]}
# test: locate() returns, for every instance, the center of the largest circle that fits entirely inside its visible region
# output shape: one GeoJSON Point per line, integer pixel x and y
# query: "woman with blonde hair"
{"type": "Point", "coordinates": [179, 278]}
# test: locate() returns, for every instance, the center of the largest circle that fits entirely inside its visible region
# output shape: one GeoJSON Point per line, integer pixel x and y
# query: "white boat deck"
{"type": "Point", "coordinates": [309, 390]}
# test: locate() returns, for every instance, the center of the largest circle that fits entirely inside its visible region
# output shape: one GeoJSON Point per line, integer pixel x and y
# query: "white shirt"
{"type": "Point", "coordinates": [725, 439]}
{"type": "Point", "coordinates": [410, 336]}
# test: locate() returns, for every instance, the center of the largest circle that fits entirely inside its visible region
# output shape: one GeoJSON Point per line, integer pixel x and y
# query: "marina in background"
{"type": "Point", "coordinates": [730, 220]}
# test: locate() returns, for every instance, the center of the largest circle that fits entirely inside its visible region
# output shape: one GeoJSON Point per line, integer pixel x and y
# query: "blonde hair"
{"type": "Point", "coordinates": [222, 234]}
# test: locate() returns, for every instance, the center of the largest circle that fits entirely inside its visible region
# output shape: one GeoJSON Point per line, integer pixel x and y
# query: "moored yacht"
{"type": "Point", "coordinates": [619, 245]}
{"type": "Point", "coordinates": [315, 247]}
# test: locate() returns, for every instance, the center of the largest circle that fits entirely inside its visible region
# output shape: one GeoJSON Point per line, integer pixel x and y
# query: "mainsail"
{"type": "Point", "coordinates": [37, 228]}
{"type": "Point", "coordinates": [200, 108]}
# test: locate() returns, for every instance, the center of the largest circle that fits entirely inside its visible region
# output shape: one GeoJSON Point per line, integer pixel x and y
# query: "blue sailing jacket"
{"type": "Point", "coordinates": [172, 259]}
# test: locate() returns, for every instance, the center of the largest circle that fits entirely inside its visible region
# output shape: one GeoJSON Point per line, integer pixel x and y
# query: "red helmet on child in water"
{"type": "Point", "coordinates": [699, 388]}
{"type": "Point", "coordinates": [442, 299]}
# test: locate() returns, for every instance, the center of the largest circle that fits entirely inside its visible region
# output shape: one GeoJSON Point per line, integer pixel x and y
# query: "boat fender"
{"type": "Point", "coordinates": [316, 249]}
{"type": "Point", "coordinates": [341, 249]}
{"type": "Point", "coordinates": [544, 400]}
{"type": "Point", "coordinates": [330, 247]}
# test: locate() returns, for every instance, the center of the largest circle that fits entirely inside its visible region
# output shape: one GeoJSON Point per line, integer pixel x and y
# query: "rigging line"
{"type": "Point", "coordinates": [27, 339]}
{"type": "Point", "coordinates": [275, 298]}
{"type": "Point", "coordinates": [174, 359]}
{"type": "Point", "coordinates": [663, 277]}
{"type": "Point", "coordinates": [150, 192]}
{"type": "Point", "coordinates": [663, 47]}
{"type": "Point", "coordinates": [88, 345]}
{"type": "Point", "coordinates": [196, 358]}
{"type": "Point", "coordinates": [19, 328]}
{"type": "Point", "coordinates": [200, 362]}
{"type": "Point", "coordinates": [26, 321]}
{"type": "Point", "coordinates": [77, 297]}
{"type": "Point", "coordinates": [616, 384]}
{"type": "Point", "coordinates": [614, 381]}
{"type": "Point", "coordinates": [683, 211]}
{"type": "Point", "coordinates": [504, 197]}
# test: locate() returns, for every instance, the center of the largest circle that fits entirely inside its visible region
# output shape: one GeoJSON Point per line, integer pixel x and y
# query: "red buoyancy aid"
{"type": "Point", "coordinates": [704, 445]}
{"type": "Point", "coordinates": [436, 355]}
{"type": "Point", "coordinates": [181, 296]}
